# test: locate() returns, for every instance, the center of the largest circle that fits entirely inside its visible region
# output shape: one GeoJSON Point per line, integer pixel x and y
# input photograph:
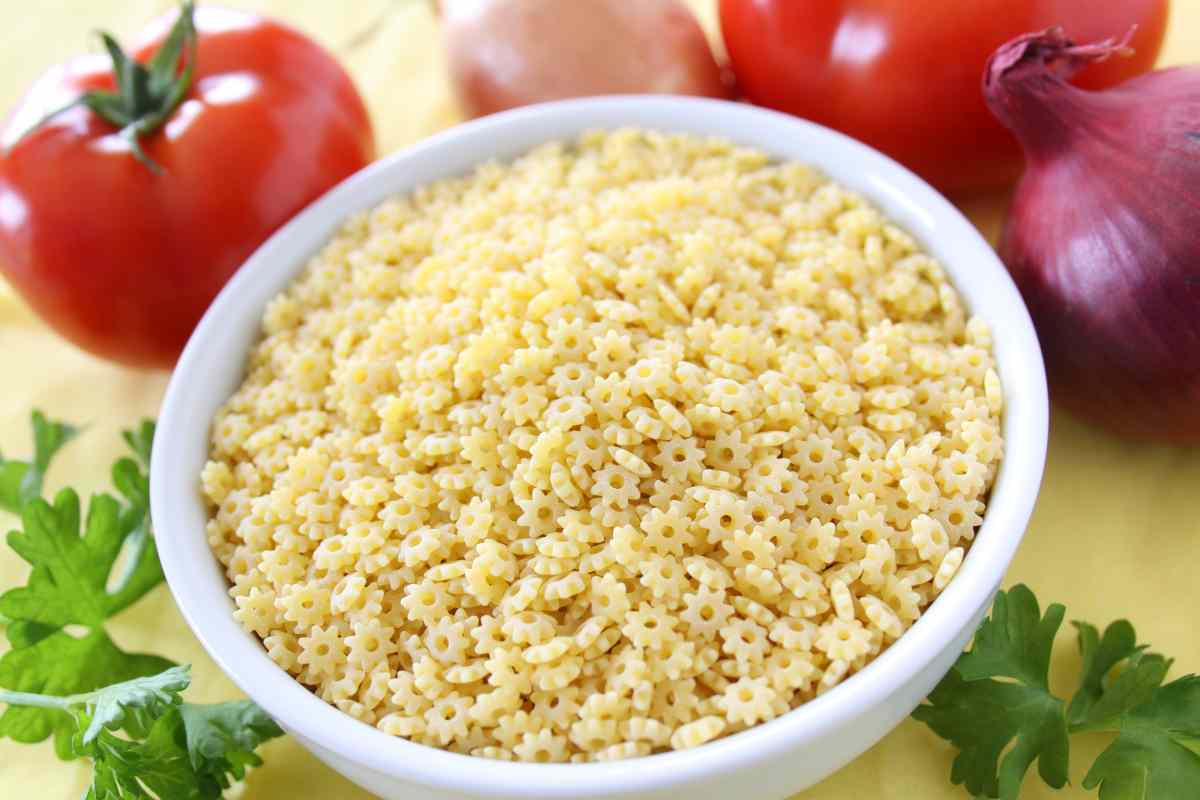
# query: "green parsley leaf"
{"type": "Point", "coordinates": [21, 481]}
{"type": "Point", "coordinates": [133, 705]}
{"type": "Point", "coordinates": [1015, 641]}
{"type": "Point", "coordinates": [150, 769]}
{"type": "Point", "coordinates": [140, 440]}
{"type": "Point", "coordinates": [1156, 755]}
{"type": "Point", "coordinates": [1137, 683]}
{"type": "Point", "coordinates": [69, 581]}
{"type": "Point", "coordinates": [1146, 765]}
{"type": "Point", "coordinates": [983, 716]}
{"type": "Point", "coordinates": [48, 438]}
{"type": "Point", "coordinates": [1099, 656]}
{"type": "Point", "coordinates": [122, 711]}
{"type": "Point", "coordinates": [997, 697]}
{"type": "Point", "coordinates": [78, 577]}
{"type": "Point", "coordinates": [73, 579]}
{"type": "Point", "coordinates": [221, 738]}
{"type": "Point", "coordinates": [61, 664]}
{"type": "Point", "coordinates": [146, 744]}
{"type": "Point", "coordinates": [26, 634]}
{"type": "Point", "coordinates": [130, 705]}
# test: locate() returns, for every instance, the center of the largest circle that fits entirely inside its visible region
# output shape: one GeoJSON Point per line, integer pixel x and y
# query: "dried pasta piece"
{"type": "Point", "coordinates": [697, 732]}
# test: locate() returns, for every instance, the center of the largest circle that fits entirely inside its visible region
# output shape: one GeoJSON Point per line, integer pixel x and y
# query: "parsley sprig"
{"type": "Point", "coordinates": [996, 707]}
{"type": "Point", "coordinates": [122, 711]}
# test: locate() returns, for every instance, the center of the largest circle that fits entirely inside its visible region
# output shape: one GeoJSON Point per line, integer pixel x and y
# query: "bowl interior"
{"type": "Point", "coordinates": [212, 365]}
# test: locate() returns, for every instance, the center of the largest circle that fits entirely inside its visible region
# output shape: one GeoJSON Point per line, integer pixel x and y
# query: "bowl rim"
{"type": "Point", "coordinates": [175, 495]}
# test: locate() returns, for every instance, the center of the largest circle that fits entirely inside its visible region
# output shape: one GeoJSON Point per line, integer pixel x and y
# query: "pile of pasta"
{"type": "Point", "coordinates": [635, 442]}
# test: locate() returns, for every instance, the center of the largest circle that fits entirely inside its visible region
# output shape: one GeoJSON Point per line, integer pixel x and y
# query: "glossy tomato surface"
{"type": "Point", "coordinates": [905, 77]}
{"type": "Point", "coordinates": [123, 261]}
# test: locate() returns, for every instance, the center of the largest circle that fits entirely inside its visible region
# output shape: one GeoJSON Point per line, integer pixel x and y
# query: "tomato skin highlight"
{"type": "Point", "coordinates": [909, 83]}
{"type": "Point", "coordinates": [124, 262]}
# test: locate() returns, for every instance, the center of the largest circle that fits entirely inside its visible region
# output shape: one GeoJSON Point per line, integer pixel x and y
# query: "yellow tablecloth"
{"type": "Point", "coordinates": [1115, 533]}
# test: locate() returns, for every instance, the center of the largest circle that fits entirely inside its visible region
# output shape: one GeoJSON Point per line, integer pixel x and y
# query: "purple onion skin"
{"type": "Point", "coordinates": [1103, 238]}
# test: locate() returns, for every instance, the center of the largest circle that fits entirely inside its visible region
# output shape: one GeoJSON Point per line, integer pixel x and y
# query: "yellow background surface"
{"type": "Point", "coordinates": [1116, 531]}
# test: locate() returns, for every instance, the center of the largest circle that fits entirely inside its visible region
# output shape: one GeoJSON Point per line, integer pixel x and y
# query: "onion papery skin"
{"type": "Point", "coordinates": [1103, 238]}
{"type": "Point", "coordinates": [505, 54]}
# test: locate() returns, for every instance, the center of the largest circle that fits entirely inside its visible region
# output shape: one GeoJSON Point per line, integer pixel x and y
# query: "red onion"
{"type": "Point", "coordinates": [1103, 238]}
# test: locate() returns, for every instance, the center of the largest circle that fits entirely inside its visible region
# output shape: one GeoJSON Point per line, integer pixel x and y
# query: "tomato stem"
{"type": "Point", "coordinates": [146, 94]}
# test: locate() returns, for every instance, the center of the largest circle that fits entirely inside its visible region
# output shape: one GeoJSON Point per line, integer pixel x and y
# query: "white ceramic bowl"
{"type": "Point", "coordinates": [766, 762]}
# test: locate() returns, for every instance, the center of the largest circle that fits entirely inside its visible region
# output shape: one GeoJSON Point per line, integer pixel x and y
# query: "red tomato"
{"type": "Point", "coordinates": [905, 78]}
{"type": "Point", "coordinates": [123, 261]}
